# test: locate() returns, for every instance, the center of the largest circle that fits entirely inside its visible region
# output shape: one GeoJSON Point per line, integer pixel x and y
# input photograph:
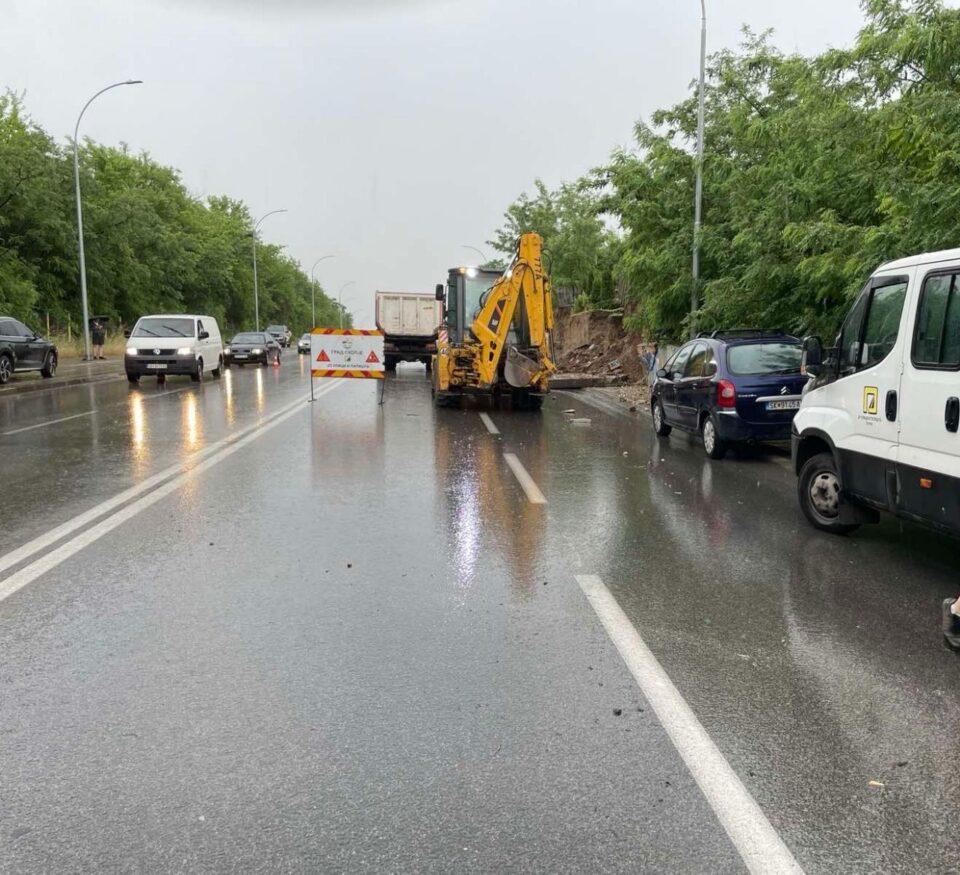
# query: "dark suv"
{"type": "Point", "coordinates": [730, 386]}
{"type": "Point", "coordinates": [24, 350]}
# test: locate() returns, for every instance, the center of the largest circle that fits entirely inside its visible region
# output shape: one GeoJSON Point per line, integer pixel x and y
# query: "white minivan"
{"type": "Point", "coordinates": [878, 425]}
{"type": "Point", "coordinates": [177, 344]}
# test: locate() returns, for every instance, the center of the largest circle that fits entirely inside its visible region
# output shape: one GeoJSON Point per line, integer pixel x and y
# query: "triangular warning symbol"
{"type": "Point", "coordinates": [372, 358]}
{"type": "Point", "coordinates": [323, 357]}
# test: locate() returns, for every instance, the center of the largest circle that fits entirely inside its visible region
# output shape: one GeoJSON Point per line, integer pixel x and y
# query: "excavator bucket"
{"type": "Point", "coordinates": [519, 369]}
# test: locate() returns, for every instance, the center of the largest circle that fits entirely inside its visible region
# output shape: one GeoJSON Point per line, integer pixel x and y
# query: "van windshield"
{"type": "Point", "coordinates": [756, 359]}
{"type": "Point", "coordinates": [161, 327]}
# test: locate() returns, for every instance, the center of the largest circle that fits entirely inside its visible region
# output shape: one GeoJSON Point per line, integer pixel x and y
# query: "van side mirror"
{"type": "Point", "coordinates": [662, 373]}
{"type": "Point", "coordinates": [203, 335]}
{"type": "Point", "coordinates": [126, 333]}
{"type": "Point", "coordinates": [811, 362]}
{"type": "Point", "coordinates": [439, 292]}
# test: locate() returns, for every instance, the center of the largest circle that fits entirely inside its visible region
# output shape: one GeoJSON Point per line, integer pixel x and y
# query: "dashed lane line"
{"type": "Point", "coordinates": [533, 493]}
{"type": "Point", "coordinates": [759, 845]}
{"type": "Point", "coordinates": [488, 422]}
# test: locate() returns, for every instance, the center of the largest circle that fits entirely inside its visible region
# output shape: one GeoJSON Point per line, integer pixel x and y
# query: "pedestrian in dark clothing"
{"type": "Point", "coordinates": [98, 336]}
{"type": "Point", "coordinates": [951, 623]}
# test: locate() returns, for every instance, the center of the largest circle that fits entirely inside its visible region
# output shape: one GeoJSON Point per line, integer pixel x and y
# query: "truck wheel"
{"type": "Point", "coordinates": [391, 363]}
{"type": "Point", "coordinates": [428, 363]}
{"type": "Point", "coordinates": [821, 494]}
{"type": "Point", "coordinates": [133, 379]}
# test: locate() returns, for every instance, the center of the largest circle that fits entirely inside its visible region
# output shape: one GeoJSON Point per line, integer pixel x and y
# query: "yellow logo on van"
{"type": "Point", "coordinates": [871, 400]}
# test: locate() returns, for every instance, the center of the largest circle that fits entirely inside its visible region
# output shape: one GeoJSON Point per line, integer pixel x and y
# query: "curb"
{"type": "Point", "coordinates": [50, 385]}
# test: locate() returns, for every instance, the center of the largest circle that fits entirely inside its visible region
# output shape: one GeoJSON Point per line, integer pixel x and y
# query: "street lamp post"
{"type": "Point", "coordinates": [76, 186]}
{"type": "Point", "coordinates": [256, 288]}
{"type": "Point", "coordinates": [340, 299]}
{"type": "Point", "coordinates": [480, 251]}
{"type": "Point", "coordinates": [313, 288]}
{"type": "Point", "coordinates": [698, 197]}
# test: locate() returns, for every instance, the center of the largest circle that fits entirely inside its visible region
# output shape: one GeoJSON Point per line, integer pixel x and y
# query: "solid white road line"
{"type": "Point", "coordinates": [46, 540]}
{"type": "Point", "coordinates": [533, 492]}
{"type": "Point", "coordinates": [45, 424]}
{"type": "Point", "coordinates": [762, 849]}
{"type": "Point", "coordinates": [87, 413]}
{"type": "Point", "coordinates": [488, 422]}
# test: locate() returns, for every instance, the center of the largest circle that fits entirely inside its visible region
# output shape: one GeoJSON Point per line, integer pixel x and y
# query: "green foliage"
{"type": "Point", "coordinates": [579, 250]}
{"type": "Point", "coordinates": [150, 245]}
{"type": "Point", "coordinates": [816, 170]}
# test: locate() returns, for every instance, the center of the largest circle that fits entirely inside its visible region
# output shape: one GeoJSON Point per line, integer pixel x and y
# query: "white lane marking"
{"type": "Point", "coordinates": [41, 566]}
{"type": "Point", "coordinates": [488, 422]}
{"type": "Point", "coordinates": [45, 424]}
{"type": "Point", "coordinates": [762, 849]}
{"type": "Point", "coordinates": [87, 413]}
{"type": "Point", "coordinates": [46, 540]}
{"type": "Point", "coordinates": [534, 495]}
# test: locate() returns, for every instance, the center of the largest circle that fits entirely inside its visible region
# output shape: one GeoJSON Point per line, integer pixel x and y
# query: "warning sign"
{"type": "Point", "coordinates": [347, 352]}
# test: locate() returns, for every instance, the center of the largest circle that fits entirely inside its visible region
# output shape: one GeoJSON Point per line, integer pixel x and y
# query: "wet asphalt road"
{"type": "Point", "coordinates": [351, 642]}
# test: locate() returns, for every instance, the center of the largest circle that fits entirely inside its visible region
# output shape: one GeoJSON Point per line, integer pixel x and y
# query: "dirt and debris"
{"type": "Point", "coordinates": [595, 344]}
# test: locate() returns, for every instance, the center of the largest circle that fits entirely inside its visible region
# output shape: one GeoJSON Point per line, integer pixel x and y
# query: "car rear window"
{"type": "Point", "coordinates": [755, 359]}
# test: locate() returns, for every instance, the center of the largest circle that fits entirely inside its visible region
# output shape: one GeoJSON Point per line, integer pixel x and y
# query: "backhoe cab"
{"type": "Point", "coordinates": [494, 337]}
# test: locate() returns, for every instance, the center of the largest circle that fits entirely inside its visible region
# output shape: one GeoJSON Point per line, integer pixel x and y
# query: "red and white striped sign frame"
{"type": "Point", "coordinates": [347, 353]}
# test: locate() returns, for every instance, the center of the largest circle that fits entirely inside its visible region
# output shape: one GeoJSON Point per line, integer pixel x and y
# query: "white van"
{"type": "Point", "coordinates": [878, 425]}
{"type": "Point", "coordinates": [177, 344]}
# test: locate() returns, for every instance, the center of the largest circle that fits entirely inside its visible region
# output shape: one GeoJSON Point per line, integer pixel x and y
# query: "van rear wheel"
{"type": "Point", "coordinates": [821, 495]}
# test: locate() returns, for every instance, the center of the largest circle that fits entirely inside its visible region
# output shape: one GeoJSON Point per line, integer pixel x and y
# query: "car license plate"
{"type": "Point", "coordinates": [783, 405]}
{"type": "Point", "coordinates": [156, 366]}
{"type": "Point", "coordinates": [240, 355]}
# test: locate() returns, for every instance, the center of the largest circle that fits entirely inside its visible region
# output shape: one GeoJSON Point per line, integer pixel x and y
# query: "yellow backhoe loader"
{"type": "Point", "coordinates": [494, 338]}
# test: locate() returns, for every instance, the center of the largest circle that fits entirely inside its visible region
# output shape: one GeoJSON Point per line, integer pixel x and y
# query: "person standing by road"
{"type": "Point", "coordinates": [951, 623]}
{"type": "Point", "coordinates": [98, 337]}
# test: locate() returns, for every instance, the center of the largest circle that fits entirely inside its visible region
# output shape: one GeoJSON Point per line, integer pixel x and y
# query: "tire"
{"type": "Point", "coordinates": [49, 366]}
{"type": "Point", "coordinates": [161, 379]}
{"type": "Point", "coordinates": [429, 364]}
{"type": "Point", "coordinates": [391, 363]}
{"type": "Point", "coordinates": [713, 445]}
{"type": "Point", "coordinates": [218, 370]}
{"type": "Point", "coordinates": [659, 421]}
{"type": "Point", "coordinates": [265, 362]}
{"type": "Point", "coordinates": [6, 368]}
{"type": "Point", "coordinates": [133, 379]}
{"type": "Point", "coordinates": [197, 377]}
{"type": "Point", "coordinates": [821, 495]}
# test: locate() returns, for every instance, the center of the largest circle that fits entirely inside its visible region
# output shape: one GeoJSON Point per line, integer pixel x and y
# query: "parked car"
{"type": "Point", "coordinates": [22, 349]}
{"type": "Point", "coordinates": [252, 347]}
{"type": "Point", "coordinates": [879, 427]}
{"type": "Point", "coordinates": [281, 333]}
{"type": "Point", "coordinates": [176, 344]}
{"type": "Point", "coordinates": [730, 387]}
{"type": "Point", "coordinates": [303, 344]}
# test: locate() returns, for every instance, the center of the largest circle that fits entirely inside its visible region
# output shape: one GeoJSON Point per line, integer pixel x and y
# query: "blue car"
{"type": "Point", "coordinates": [730, 387]}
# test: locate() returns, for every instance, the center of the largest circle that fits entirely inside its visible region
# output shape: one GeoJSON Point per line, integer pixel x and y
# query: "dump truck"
{"type": "Point", "coordinates": [495, 335]}
{"type": "Point", "coordinates": [409, 323]}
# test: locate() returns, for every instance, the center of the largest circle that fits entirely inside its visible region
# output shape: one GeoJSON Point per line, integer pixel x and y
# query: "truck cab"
{"type": "Point", "coordinates": [877, 429]}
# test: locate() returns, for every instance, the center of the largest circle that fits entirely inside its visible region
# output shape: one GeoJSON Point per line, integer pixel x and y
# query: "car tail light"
{"type": "Point", "coordinates": [726, 394]}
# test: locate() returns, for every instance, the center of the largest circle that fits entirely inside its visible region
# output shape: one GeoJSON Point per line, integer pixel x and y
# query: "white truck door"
{"type": "Point", "coordinates": [929, 453]}
{"type": "Point", "coordinates": [861, 408]}
{"type": "Point", "coordinates": [408, 321]}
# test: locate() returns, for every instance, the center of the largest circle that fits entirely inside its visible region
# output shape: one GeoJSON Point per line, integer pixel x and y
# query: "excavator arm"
{"type": "Point", "coordinates": [524, 284]}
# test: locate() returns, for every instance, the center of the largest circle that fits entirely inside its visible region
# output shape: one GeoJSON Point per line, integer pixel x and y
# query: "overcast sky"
{"type": "Point", "coordinates": [394, 131]}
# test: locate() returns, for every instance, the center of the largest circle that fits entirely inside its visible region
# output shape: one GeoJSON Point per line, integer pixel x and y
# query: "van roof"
{"type": "Point", "coordinates": [922, 258]}
{"type": "Point", "coordinates": [175, 316]}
